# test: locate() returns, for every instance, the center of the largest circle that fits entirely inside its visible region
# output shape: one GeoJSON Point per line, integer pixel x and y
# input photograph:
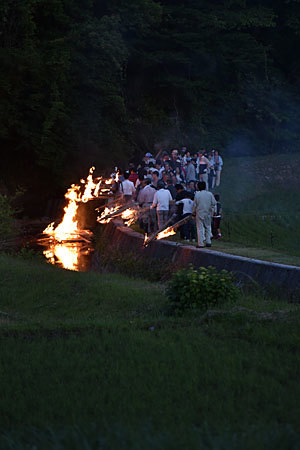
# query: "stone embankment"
{"type": "Point", "coordinates": [282, 277]}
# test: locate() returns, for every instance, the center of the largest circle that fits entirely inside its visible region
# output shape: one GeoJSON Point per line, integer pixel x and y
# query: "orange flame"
{"type": "Point", "coordinates": [130, 216]}
{"type": "Point", "coordinates": [170, 231]}
{"type": "Point", "coordinates": [67, 256]}
{"type": "Point", "coordinates": [68, 228]}
{"type": "Point", "coordinates": [89, 187]}
{"type": "Point", "coordinates": [145, 239]}
{"type": "Point", "coordinates": [107, 212]}
{"type": "Point", "coordinates": [166, 233]}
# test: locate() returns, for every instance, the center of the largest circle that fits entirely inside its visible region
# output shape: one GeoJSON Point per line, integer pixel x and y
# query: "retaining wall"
{"type": "Point", "coordinates": [285, 277]}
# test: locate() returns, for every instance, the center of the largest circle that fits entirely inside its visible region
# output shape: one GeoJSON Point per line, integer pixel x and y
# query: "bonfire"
{"type": "Point", "coordinates": [68, 229]}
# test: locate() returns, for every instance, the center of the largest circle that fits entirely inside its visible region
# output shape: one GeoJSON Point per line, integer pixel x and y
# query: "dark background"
{"type": "Point", "coordinates": [87, 82]}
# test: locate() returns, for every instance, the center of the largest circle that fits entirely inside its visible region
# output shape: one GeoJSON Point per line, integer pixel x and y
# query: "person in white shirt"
{"type": "Point", "coordinates": [203, 208]}
{"type": "Point", "coordinates": [145, 199]}
{"type": "Point", "coordinates": [188, 229]}
{"type": "Point", "coordinates": [161, 201]}
{"type": "Point", "coordinates": [127, 188]}
{"type": "Point", "coordinates": [187, 205]}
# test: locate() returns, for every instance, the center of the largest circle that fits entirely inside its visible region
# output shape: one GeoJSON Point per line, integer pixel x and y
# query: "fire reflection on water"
{"type": "Point", "coordinates": [69, 255]}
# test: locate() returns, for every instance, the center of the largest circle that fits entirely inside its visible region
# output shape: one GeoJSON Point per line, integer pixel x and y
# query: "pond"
{"type": "Point", "coordinates": [74, 255]}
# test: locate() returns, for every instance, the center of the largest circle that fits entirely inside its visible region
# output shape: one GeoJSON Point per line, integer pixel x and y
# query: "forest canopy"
{"type": "Point", "coordinates": [103, 81]}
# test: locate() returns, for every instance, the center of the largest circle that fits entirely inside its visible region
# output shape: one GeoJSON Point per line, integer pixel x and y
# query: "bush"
{"type": "Point", "coordinates": [191, 289]}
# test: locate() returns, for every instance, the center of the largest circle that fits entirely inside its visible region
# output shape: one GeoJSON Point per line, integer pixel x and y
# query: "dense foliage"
{"type": "Point", "coordinates": [7, 223]}
{"type": "Point", "coordinates": [86, 81]}
{"type": "Point", "coordinates": [192, 289]}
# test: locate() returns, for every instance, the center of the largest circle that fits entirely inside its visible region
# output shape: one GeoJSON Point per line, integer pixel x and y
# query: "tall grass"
{"type": "Point", "coordinates": [274, 232]}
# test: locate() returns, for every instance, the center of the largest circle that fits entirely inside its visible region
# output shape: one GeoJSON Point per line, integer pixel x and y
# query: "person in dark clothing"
{"type": "Point", "coordinates": [180, 192]}
{"type": "Point", "coordinates": [191, 188]}
{"type": "Point", "coordinates": [187, 230]}
{"type": "Point", "coordinates": [171, 188]}
{"type": "Point", "coordinates": [174, 161]}
{"type": "Point", "coordinates": [216, 219]}
{"type": "Point", "coordinates": [211, 172]}
{"type": "Point", "coordinates": [155, 179]}
{"type": "Point", "coordinates": [167, 169]}
{"type": "Point", "coordinates": [141, 172]}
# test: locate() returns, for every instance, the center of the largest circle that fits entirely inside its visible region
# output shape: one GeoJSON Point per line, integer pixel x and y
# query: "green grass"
{"type": "Point", "coordinates": [249, 251]}
{"type": "Point", "coordinates": [266, 184]}
{"type": "Point", "coordinates": [90, 361]}
{"type": "Point", "coordinates": [240, 248]}
{"type": "Point", "coordinates": [261, 202]}
{"type": "Point", "coordinates": [46, 294]}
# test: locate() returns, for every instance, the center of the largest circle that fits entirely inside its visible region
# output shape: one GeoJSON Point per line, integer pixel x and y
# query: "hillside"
{"type": "Point", "coordinates": [261, 202]}
{"type": "Point", "coordinates": [262, 184]}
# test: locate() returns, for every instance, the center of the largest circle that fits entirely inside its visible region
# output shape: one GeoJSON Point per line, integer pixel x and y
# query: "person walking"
{"type": "Point", "coordinates": [203, 209]}
{"type": "Point", "coordinates": [161, 201]}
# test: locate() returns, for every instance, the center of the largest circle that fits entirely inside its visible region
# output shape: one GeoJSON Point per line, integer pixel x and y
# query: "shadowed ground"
{"type": "Point", "coordinates": [90, 361]}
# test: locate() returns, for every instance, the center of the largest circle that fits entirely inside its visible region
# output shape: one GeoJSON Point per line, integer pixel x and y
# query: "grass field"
{"type": "Point", "coordinates": [90, 361]}
{"type": "Point", "coordinates": [225, 245]}
{"type": "Point", "coordinates": [261, 202]}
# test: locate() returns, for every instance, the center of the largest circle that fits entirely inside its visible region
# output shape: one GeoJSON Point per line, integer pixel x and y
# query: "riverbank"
{"type": "Point", "coordinates": [89, 358]}
{"type": "Point", "coordinates": [232, 248]}
{"type": "Point", "coordinates": [121, 247]}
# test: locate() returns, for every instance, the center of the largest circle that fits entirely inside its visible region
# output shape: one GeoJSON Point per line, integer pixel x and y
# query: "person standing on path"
{"type": "Point", "coordinates": [190, 170]}
{"type": "Point", "coordinates": [211, 172]}
{"type": "Point", "coordinates": [145, 199]}
{"type": "Point", "coordinates": [161, 201]}
{"type": "Point", "coordinates": [202, 168]}
{"type": "Point", "coordinates": [203, 209]}
{"type": "Point", "coordinates": [218, 163]}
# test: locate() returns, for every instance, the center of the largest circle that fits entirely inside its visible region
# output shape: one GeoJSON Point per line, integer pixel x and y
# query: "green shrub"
{"type": "Point", "coordinates": [191, 289]}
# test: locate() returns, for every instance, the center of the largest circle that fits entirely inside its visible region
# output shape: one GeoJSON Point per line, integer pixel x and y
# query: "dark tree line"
{"type": "Point", "coordinates": [100, 81]}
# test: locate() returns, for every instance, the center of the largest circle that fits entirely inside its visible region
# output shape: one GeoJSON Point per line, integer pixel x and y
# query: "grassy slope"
{"type": "Point", "coordinates": [78, 349]}
{"type": "Point", "coordinates": [261, 201]}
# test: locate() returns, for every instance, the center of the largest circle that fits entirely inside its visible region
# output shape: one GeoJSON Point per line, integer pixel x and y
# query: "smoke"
{"type": "Point", "coordinates": [240, 145]}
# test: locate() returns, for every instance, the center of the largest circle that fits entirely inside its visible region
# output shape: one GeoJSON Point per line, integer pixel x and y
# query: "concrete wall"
{"type": "Point", "coordinates": [285, 277]}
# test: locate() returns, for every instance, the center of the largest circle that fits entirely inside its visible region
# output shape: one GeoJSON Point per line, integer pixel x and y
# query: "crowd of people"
{"type": "Point", "coordinates": [172, 187]}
